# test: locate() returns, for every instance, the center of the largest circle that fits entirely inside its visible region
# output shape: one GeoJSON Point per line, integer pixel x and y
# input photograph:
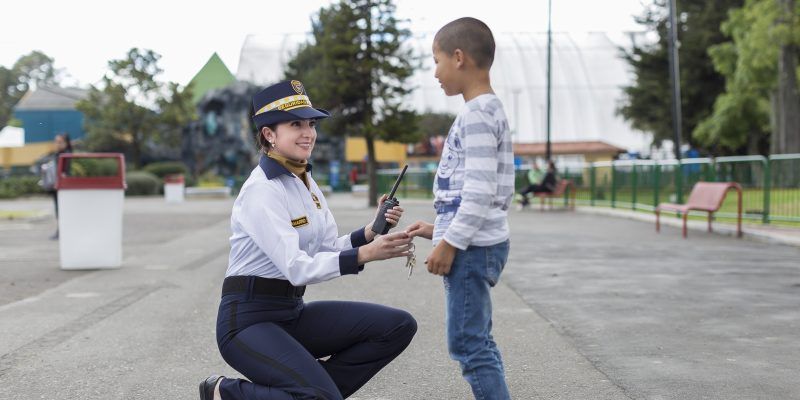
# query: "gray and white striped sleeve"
{"type": "Point", "coordinates": [480, 178]}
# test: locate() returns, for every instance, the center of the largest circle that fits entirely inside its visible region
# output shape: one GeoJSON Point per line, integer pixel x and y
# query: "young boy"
{"type": "Point", "coordinates": [474, 187]}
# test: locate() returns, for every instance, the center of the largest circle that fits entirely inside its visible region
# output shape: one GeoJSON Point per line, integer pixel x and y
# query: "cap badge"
{"type": "Point", "coordinates": [298, 87]}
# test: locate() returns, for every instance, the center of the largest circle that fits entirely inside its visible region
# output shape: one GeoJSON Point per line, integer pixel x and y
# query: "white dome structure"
{"type": "Point", "coordinates": [587, 79]}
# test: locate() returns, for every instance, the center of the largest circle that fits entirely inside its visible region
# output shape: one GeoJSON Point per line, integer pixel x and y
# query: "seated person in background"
{"type": "Point", "coordinates": [546, 185]}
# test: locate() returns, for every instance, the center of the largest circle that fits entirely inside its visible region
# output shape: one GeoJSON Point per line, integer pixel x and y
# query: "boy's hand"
{"type": "Point", "coordinates": [441, 259]}
{"type": "Point", "coordinates": [420, 228]}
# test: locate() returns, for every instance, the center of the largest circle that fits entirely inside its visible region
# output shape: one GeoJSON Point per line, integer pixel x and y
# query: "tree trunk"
{"type": "Point", "coordinates": [372, 170]}
{"type": "Point", "coordinates": [372, 163]}
{"type": "Point", "coordinates": [774, 123]}
{"type": "Point", "coordinates": [136, 151]}
{"type": "Point", "coordinates": [753, 143]}
{"type": "Point", "coordinates": [787, 112]}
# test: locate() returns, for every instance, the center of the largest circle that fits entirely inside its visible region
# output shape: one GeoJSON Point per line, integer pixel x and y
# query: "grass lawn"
{"type": "Point", "coordinates": [784, 204]}
{"type": "Point", "coordinates": [4, 214]}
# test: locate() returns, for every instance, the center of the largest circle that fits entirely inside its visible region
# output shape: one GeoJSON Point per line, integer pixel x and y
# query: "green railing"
{"type": "Point", "coordinates": [771, 185]}
{"type": "Point", "coordinates": [417, 182]}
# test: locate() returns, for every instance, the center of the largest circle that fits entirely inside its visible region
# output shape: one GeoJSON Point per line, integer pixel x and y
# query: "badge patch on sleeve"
{"type": "Point", "coordinates": [316, 200]}
{"type": "Point", "coordinates": [302, 221]}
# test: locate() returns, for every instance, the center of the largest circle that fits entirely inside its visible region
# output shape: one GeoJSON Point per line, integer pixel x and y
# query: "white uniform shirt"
{"type": "Point", "coordinates": [279, 231]}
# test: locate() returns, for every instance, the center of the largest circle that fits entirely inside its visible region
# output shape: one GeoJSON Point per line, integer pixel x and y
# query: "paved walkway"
{"type": "Point", "coordinates": [589, 307]}
{"type": "Point", "coordinates": [710, 317]}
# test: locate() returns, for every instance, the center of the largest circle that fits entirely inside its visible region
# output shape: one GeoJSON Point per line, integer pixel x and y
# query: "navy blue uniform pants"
{"type": "Point", "coordinates": [280, 344]}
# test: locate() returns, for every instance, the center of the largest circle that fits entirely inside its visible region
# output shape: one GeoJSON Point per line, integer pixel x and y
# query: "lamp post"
{"type": "Point", "coordinates": [516, 92]}
{"type": "Point", "coordinates": [675, 78]}
{"type": "Point", "coordinates": [549, 73]}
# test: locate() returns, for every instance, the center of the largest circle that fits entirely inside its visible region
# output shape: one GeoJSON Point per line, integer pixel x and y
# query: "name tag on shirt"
{"type": "Point", "coordinates": [298, 222]}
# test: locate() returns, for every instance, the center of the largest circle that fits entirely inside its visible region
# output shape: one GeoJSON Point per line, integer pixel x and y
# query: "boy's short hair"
{"type": "Point", "coordinates": [470, 35]}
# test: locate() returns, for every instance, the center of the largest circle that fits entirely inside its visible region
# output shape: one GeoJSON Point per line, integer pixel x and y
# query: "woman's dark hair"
{"type": "Point", "coordinates": [67, 141]}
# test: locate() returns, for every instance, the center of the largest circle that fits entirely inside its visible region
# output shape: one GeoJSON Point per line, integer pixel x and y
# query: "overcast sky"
{"type": "Point", "coordinates": [82, 35]}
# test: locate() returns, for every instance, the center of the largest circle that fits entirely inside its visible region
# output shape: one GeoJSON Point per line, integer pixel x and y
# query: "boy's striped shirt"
{"type": "Point", "coordinates": [474, 183]}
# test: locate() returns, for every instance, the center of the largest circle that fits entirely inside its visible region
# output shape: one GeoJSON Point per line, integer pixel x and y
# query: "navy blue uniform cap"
{"type": "Point", "coordinates": [284, 101]}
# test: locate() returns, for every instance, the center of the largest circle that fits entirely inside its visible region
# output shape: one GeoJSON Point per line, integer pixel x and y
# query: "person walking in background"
{"type": "Point", "coordinates": [473, 189]}
{"type": "Point", "coordinates": [284, 238]}
{"type": "Point", "coordinates": [353, 176]}
{"type": "Point", "coordinates": [546, 185]}
{"type": "Point", "coordinates": [49, 173]}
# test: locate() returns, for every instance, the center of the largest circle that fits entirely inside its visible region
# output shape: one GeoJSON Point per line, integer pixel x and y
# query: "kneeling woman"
{"type": "Point", "coordinates": [283, 238]}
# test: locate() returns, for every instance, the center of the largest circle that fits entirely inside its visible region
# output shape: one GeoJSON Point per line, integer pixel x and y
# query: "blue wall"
{"type": "Point", "coordinates": [43, 125]}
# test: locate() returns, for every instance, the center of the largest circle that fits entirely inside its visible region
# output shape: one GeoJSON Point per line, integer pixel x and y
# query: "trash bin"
{"type": "Point", "coordinates": [91, 190]}
{"type": "Point", "coordinates": [173, 188]}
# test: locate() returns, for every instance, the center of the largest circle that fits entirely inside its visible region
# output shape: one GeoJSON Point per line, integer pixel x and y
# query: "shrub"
{"type": "Point", "coordinates": [142, 183]}
{"type": "Point", "coordinates": [210, 179]}
{"type": "Point", "coordinates": [162, 169]}
{"type": "Point", "coordinates": [16, 186]}
{"type": "Point", "coordinates": [93, 167]}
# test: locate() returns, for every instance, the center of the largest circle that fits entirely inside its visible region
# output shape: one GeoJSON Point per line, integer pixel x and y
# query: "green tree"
{"type": "Point", "coordinates": [753, 111]}
{"type": "Point", "coordinates": [132, 109]}
{"type": "Point", "coordinates": [28, 72]}
{"type": "Point", "coordinates": [435, 124]}
{"type": "Point", "coordinates": [647, 102]}
{"type": "Point", "coordinates": [357, 66]}
{"type": "Point", "coordinates": [177, 111]}
{"type": "Point", "coordinates": [35, 69]}
{"type": "Point", "coordinates": [9, 96]}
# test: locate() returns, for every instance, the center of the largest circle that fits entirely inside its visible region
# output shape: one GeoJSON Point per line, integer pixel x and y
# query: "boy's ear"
{"type": "Point", "coordinates": [459, 57]}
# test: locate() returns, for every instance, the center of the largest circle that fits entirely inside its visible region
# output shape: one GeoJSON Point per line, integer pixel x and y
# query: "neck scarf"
{"type": "Point", "coordinates": [296, 167]}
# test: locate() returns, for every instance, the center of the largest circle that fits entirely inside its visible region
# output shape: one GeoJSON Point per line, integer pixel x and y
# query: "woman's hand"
{"type": "Point", "coordinates": [420, 228]}
{"type": "Point", "coordinates": [387, 246]}
{"type": "Point", "coordinates": [392, 217]}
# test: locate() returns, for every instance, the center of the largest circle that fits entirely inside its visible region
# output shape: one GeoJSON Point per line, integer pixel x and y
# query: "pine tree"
{"type": "Point", "coordinates": [647, 102]}
{"type": "Point", "coordinates": [357, 67]}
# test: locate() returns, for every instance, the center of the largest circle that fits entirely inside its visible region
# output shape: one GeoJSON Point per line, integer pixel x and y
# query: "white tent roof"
{"type": "Point", "coordinates": [588, 76]}
{"type": "Point", "coordinates": [11, 136]}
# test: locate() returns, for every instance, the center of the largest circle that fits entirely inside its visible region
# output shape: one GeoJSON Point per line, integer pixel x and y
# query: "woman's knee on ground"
{"type": "Point", "coordinates": [407, 325]}
{"type": "Point", "coordinates": [402, 326]}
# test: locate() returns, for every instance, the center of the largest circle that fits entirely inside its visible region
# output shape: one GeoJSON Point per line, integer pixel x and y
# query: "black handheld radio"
{"type": "Point", "coordinates": [380, 226]}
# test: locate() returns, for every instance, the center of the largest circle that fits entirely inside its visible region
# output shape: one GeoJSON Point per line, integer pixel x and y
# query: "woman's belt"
{"type": "Point", "coordinates": [261, 286]}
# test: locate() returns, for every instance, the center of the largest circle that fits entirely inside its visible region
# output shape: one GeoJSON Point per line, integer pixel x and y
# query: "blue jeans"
{"type": "Point", "coordinates": [469, 318]}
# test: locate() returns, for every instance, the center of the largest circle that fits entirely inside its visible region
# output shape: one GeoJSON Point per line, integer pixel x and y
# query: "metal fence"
{"type": "Point", "coordinates": [771, 185]}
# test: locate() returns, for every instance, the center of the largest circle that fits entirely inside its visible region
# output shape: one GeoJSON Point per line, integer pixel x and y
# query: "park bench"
{"type": "Point", "coordinates": [563, 186]}
{"type": "Point", "coordinates": [705, 196]}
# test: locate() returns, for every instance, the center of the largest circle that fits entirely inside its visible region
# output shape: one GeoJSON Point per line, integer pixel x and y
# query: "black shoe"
{"type": "Point", "coordinates": [207, 387]}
